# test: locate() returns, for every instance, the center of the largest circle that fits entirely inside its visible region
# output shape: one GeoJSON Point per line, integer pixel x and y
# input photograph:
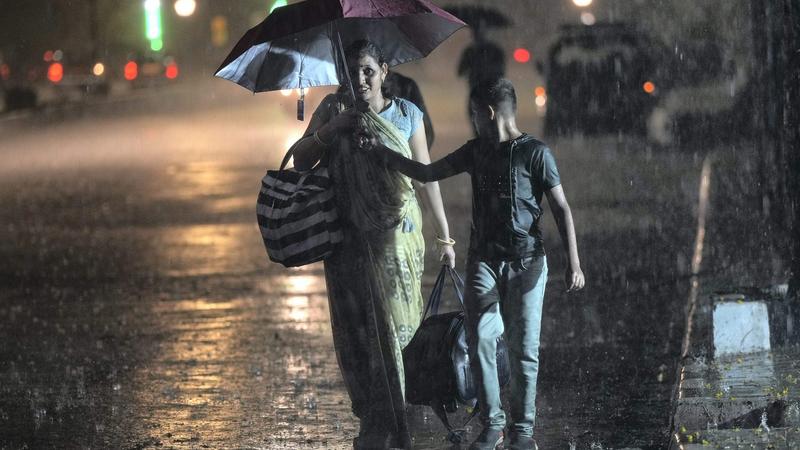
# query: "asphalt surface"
{"type": "Point", "coordinates": [138, 309]}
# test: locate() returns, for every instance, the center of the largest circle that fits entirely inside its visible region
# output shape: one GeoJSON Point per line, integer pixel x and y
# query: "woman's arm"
{"type": "Point", "coordinates": [308, 150]}
{"type": "Point", "coordinates": [433, 197]}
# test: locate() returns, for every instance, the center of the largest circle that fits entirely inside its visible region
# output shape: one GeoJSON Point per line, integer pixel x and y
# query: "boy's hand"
{"type": "Point", "coordinates": [574, 279]}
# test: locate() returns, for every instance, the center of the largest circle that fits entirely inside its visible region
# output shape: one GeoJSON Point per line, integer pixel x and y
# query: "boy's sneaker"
{"type": "Point", "coordinates": [489, 439]}
{"type": "Point", "coordinates": [519, 442]}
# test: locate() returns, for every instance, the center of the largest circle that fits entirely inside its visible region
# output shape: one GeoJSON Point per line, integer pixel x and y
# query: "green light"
{"type": "Point", "coordinates": [156, 45]}
{"type": "Point", "coordinates": [278, 4]}
{"type": "Point", "coordinates": [152, 11]}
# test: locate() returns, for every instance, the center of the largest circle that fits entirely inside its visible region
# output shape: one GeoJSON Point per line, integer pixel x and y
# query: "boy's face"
{"type": "Point", "coordinates": [482, 119]}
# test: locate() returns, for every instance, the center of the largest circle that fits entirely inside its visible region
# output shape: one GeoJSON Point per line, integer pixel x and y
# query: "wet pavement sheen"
{"type": "Point", "coordinates": [137, 308]}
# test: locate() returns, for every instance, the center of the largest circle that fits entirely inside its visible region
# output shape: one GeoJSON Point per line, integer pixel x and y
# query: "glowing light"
{"type": "Point", "coordinates": [522, 55]}
{"type": "Point", "coordinates": [152, 19]}
{"type": "Point", "coordinates": [55, 72]}
{"type": "Point", "coordinates": [219, 31]}
{"type": "Point", "coordinates": [278, 4]}
{"type": "Point", "coordinates": [156, 45]}
{"type": "Point", "coordinates": [541, 100]}
{"type": "Point", "coordinates": [172, 71]}
{"type": "Point", "coordinates": [287, 92]}
{"type": "Point", "coordinates": [649, 87]}
{"type": "Point", "coordinates": [48, 56]}
{"type": "Point", "coordinates": [582, 3]}
{"type": "Point", "coordinates": [131, 70]}
{"type": "Point", "coordinates": [98, 69]}
{"type": "Point", "coordinates": [539, 91]}
{"type": "Point", "coordinates": [588, 18]}
{"type": "Point", "coordinates": [185, 8]}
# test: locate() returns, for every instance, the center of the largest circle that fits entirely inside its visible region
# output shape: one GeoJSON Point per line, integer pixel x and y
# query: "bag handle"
{"type": "Point", "coordinates": [435, 299]}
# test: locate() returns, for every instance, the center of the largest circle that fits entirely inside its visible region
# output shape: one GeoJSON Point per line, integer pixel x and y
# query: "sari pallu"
{"type": "Point", "coordinates": [374, 281]}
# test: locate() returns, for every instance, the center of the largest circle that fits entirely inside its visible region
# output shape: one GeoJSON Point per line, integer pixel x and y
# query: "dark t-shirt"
{"type": "Point", "coordinates": [508, 180]}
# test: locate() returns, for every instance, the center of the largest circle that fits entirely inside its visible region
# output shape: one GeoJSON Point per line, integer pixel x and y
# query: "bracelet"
{"type": "Point", "coordinates": [448, 241]}
{"type": "Point", "coordinates": [318, 140]}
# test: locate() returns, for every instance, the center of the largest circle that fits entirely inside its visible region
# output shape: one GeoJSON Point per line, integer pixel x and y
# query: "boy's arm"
{"type": "Point", "coordinates": [566, 228]}
{"type": "Point", "coordinates": [446, 167]}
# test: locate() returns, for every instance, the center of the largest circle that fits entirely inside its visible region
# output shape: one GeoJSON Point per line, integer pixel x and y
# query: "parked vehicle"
{"type": "Point", "coordinates": [150, 70]}
{"type": "Point", "coordinates": [601, 78]}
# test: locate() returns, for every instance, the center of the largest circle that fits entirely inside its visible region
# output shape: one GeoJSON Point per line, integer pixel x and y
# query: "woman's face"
{"type": "Point", "coordinates": [367, 76]}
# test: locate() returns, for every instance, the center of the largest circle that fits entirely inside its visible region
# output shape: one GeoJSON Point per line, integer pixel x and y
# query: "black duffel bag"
{"type": "Point", "coordinates": [436, 361]}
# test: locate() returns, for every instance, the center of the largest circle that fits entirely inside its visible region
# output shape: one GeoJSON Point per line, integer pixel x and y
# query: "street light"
{"type": "Point", "coordinates": [582, 3]}
{"type": "Point", "coordinates": [185, 8]}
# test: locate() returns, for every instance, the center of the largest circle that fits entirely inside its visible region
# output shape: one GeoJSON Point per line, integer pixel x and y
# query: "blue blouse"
{"type": "Point", "coordinates": [407, 123]}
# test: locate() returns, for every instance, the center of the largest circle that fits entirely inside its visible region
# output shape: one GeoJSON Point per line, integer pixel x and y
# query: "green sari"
{"type": "Point", "coordinates": [374, 281]}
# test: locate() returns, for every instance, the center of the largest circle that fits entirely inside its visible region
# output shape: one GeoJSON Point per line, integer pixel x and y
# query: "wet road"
{"type": "Point", "coordinates": [137, 308]}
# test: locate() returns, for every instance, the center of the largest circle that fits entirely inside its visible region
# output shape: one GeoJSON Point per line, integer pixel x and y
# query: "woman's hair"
{"type": "Point", "coordinates": [364, 47]}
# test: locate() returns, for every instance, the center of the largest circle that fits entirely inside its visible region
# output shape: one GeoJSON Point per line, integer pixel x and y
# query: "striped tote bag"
{"type": "Point", "coordinates": [297, 215]}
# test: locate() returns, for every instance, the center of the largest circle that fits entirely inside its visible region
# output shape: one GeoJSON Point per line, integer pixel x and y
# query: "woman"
{"type": "Point", "coordinates": [374, 278]}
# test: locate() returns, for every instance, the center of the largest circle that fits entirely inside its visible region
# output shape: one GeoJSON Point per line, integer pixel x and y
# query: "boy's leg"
{"type": "Point", "coordinates": [522, 314]}
{"type": "Point", "coordinates": [484, 326]}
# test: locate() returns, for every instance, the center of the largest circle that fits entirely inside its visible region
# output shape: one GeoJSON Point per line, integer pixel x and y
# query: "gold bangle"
{"type": "Point", "coordinates": [448, 241]}
{"type": "Point", "coordinates": [318, 140]}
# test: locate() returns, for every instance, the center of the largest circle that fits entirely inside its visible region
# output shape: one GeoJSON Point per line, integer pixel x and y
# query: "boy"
{"type": "Point", "coordinates": [506, 264]}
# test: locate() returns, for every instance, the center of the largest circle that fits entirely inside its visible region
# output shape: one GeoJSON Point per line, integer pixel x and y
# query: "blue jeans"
{"type": "Point", "coordinates": [514, 293]}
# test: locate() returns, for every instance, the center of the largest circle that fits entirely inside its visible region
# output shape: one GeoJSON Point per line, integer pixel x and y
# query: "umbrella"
{"type": "Point", "coordinates": [479, 17]}
{"type": "Point", "coordinates": [300, 45]}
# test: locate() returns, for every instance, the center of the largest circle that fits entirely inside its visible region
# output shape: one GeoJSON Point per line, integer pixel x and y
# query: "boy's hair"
{"type": "Point", "coordinates": [498, 93]}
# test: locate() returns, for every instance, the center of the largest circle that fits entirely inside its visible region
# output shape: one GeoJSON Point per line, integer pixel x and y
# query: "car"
{"type": "Point", "coordinates": [150, 70]}
{"type": "Point", "coordinates": [79, 76]}
{"type": "Point", "coordinates": [601, 78]}
{"type": "Point", "coordinates": [709, 100]}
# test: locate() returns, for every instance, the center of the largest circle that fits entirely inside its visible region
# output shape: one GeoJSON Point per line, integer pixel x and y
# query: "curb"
{"type": "Point", "coordinates": [738, 386]}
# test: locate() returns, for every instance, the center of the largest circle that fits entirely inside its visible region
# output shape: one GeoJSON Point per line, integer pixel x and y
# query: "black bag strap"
{"type": "Point", "coordinates": [458, 284]}
{"type": "Point", "coordinates": [286, 158]}
{"type": "Point", "coordinates": [435, 300]}
{"type": "Point", "coordinates": [456, 436]}
{"type": "Point", "coordinates": [436, 295]}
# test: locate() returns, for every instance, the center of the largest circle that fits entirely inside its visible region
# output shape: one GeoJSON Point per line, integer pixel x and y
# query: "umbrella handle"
{"type": "Point", "coordinates": [339, 51]}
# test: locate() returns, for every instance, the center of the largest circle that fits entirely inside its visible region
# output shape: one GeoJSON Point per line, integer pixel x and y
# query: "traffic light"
{"type": "Point", "coordinates": [152, 20]}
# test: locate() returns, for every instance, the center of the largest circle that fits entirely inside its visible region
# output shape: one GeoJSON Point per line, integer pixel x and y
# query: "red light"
{"type": "Point", "coordinates": [55, 72]}
{"type": "Point", "coordinates": [521, 55]}
{"type": "Point", "coordinates": [539, 91]}
{"type": "Point", "coordinates": [131, 70]}
{"type": "Point", "coordinates": [48, 56]}
{"type": "Point", "coordinates": [649, 87]}
{"type": "Point", "coordinates": [172, 71]}
{"type": "Point", "coordinates": [5, 71]}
